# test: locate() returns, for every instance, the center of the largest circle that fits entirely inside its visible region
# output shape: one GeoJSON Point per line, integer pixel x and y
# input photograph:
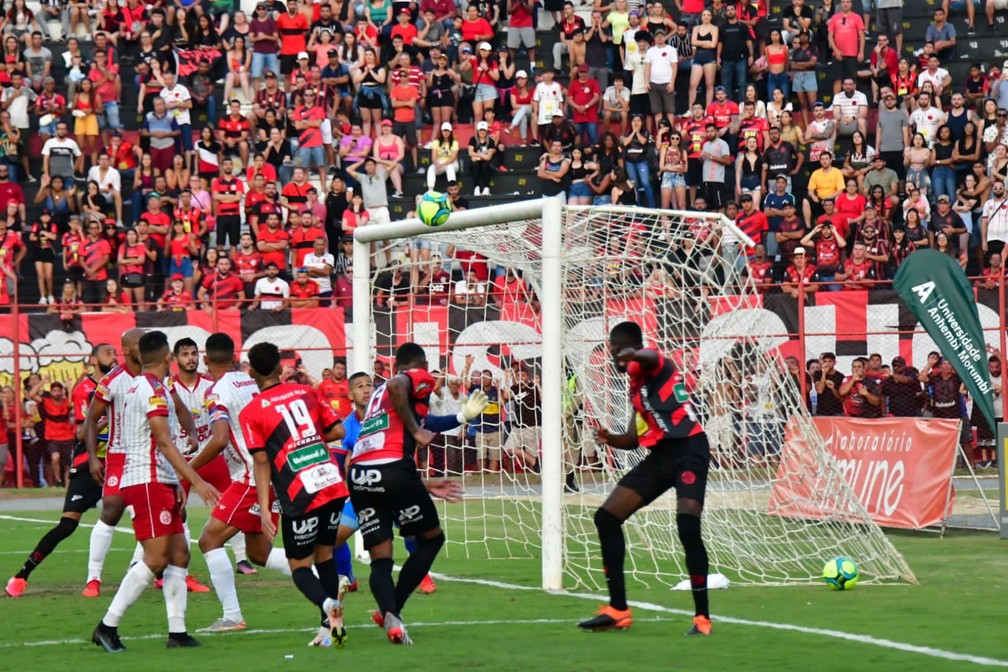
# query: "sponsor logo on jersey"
{"type": "Point", "coordinates": [681, 395]}
{"type": "Point", "coordinates": [302, 458]}
{"type": "Point", "coordinates": [375, 424]}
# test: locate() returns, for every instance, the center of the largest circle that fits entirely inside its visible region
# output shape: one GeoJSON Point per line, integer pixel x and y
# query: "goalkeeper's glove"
{"type": "Point", "coordinates": [473, 406]}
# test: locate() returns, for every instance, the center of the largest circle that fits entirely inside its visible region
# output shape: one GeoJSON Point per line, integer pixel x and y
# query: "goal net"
{"type": "Point", "coordinates": [473, 295]}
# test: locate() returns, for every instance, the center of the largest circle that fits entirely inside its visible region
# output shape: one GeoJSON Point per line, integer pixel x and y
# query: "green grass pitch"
{"type": "Point", "coordinates": [955, 620]}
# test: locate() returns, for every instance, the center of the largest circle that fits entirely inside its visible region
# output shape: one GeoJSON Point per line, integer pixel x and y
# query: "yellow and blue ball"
{"type": "Point", "coordinates": [433, 209]}
{"type": "Point", "coordinates": [841, 573]}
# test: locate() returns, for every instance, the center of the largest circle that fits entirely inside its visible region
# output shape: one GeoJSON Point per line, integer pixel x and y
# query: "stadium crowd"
{"type": "Point", "coordinates": [261, 142]}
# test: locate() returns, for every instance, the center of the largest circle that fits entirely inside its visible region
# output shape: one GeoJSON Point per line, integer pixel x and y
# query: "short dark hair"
{"type": "Point", "coordinates": [627, 332]}
{"type": "Point", "coordinates": [359, 374]}
{"type": "Point", "coordinates": [151, 345]}
{"type": "Point", "coordinates": [99, 346]}
{"type": "Point", "coordinates": [264, 358]}
{"type": "Point", "coordinates": [408, 355]}
{"type": "Point", "coordinates": [220, 348]}
{"type": "Point", "coordinates": [183, 343]}
{"type": "Point", "coordinates": [338, 360]}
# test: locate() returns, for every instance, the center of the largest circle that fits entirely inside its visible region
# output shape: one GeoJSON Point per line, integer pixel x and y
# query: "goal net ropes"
{"type": "Point", "coordinates": [473, 297]}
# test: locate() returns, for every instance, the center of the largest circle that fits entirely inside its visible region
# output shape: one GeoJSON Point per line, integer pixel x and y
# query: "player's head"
{"type": "Point", "coordinates": [410, 356]}
{"type": "Point", "coordinates": [264, 360]}
{"type": "Point", "coordinates": [220, 350]}
{"type": "Point", "coordinates": [154, 353]}
{"type": "Point", "coordinates": [361, 388]}
{"type": "Point", "coordinates": [186, 355]}
{"type": "Point", "coordinates": [624, 335]}
{"type": "Point", "coordinates": [103, 356]}
{"type": "Point", "coordinates": [131, 348]}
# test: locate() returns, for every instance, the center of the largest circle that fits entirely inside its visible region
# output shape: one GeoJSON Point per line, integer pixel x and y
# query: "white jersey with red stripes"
{"type": "Point", "coordinates": [113, 390]}
{"type": "Point", "coordinates": [224, 401]}
{"type": "Point", "coordinates": [193, 399]}
{"type": "Point", "coordinates": [147, 398]}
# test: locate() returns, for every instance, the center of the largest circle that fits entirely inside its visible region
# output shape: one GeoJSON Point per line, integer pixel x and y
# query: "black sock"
{"type": "Point", "coordinates": [416, 567]}
{"type": "Point", "coordinates": [610, 532]}
{"type": "Point", "coordinates": [329, 578]}
{"type": "Point", "coordinates": [310, 586]}
{"type": "Point", "coordinates": [382, 586]}
{"type": "Point", "coordinates": [47, 544]}
{"type": "Point", "coordinates": [696, 559]}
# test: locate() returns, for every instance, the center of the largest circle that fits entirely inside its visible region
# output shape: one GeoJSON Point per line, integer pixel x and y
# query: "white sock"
{"type": "Point", "coordinates": [223, 579]}
{"type": "Point", "coordinates": [138, 554]}
{"type": "Point", "coordinates": [101, 540]}
{"type": "Point", "coordinates": [238, 547]}
{"type": "Point", "coordinates": [277, 561]}
{"type": "Point", "coordinates": [176, 595]}
{"type": "Point", "coordinates": [132, 587]}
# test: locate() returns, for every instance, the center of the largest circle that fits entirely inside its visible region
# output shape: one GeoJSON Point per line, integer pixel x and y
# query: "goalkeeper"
{"type": "Point", "coordinates": [678, 456]}
{"type": "Point", "coordinates": [387, 489]}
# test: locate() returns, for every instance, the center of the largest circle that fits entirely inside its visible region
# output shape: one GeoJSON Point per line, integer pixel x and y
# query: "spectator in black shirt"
{"type": "Point", "coordinates": [735, 54]}
{"type": "Point", "coordinates": [562, 130]}
{"type": "Point", "coordinates": [828, 387]}
{"type": "Point", "coordinates": [902, 394]}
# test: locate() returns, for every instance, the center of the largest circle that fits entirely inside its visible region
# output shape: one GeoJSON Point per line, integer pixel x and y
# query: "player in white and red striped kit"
{"type": "Point", "coordinates": [238, 511]}
{"type": "Point", "coordinates": [150, 485]}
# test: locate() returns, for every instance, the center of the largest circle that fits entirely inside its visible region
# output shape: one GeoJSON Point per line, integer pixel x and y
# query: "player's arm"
{"type": "Point", "coordinates": [161, 434]}
{"type": "Point", "coordinates": [335, 432]}
{"type": "Point", "coordinates": [261, 473]}
{"type": "Point", "coordinates": [648, 359]}
{"type": "Point", "coordinates": [185, 419]}
{"type": "Point", "coordinates": [625, 441]}
{"type": "Point", "coordinates": [473, 406]}
{"type": "Point", "coordinates": [219, 437]}
{"type": "Point", "coordinates": [96, 411]}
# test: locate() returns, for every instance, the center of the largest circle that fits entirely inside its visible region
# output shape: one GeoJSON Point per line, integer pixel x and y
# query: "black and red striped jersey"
{"type": "Point", "coordinates": [661, 402]}
{"type": "Point", "coordinates": [289, 421]}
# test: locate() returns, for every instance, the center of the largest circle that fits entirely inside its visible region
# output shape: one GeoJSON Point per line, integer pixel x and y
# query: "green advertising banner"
{"type": "Point", "coordinates": [937, 291]}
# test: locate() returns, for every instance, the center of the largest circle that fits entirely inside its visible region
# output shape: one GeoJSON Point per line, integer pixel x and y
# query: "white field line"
{"type": "Point", "coordinates": [927, 651]}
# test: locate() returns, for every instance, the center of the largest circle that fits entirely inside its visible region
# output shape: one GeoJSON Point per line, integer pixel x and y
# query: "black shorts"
{"type": "Point", "coordinates": [681, 464]}
{"type": "Point", "coordinates": [717, 195]}
{"type": "Point", "coordinates": [694, 172]}
{"type": "Point", "coordinates": [387, 494]}
{"type": "Point", "coordinates": [45, 255]}
{"type": "Point", "coordinates": [63, 448]}
{"type": "Point", "coordinates": [82, 493]}
{"type": "Point", "coordinates": [287, 63]}
{"type": "Point", "coordinates": [316, 528]}
{"type": "Point", "coordinates": [640, 104]}
{"type": "Point", "coordinates": [846, 68]}
{"type": "Point", "coordinates": [407, 131]}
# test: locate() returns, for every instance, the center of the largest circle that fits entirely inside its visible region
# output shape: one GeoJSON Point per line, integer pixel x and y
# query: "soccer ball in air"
{"type": "Point", "coordinates": [841, 573]}
{"type": "Point", "coordinates": [433, 209]}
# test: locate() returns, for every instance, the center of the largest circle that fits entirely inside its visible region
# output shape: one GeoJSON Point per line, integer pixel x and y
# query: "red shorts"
{"type": "Point", "coordinates": [156, 513]}
{"type": "Point", "coordinates": [114, 464]}
{"type": "Point", "coordinates": [239, 508]}
{"type": "Point", "coordinates": [215, 472]}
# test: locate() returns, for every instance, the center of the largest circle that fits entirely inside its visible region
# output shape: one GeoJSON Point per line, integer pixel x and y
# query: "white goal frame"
{"type": "Point", "coordinates": [550, 211]}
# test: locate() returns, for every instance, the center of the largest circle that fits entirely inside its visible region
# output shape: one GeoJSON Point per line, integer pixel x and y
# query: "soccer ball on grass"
{"type": "Point", "coordinates": [433, 209]}
{"type": "Point", "coordinates": [841, 573]}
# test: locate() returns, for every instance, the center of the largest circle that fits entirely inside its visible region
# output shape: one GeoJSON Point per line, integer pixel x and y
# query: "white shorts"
{"type": "Point", "coordinates": [523, 438]}
{"type": "Point", "coordinates": [379, 215]}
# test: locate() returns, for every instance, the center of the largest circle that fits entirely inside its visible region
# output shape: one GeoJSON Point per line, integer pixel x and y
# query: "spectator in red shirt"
{"type": "Point", "coordinates": [293, 28]}
{"type": "Point", "coordinates": [861, 394]}
{"type": "Point", "coordinates": [846, 31]}
{"type": "Point", "coordinates": [176, 299]}
{"type": "Point", "coordinates": [308, 120]}
{"type": "Point", "coordinates": [761, 269]}
{"type": "Point", "coordinates": [233, 132]}
{"type": "Point", "coordinates": [335, 388]}
{"type": "Point", "coordinates": [227, 193]}
{"type": "Point", "coordinates": [57, 429]}
{"type": "Point", "coordinates": [222, 289]}
{"type": "Point", "coordinates": [302, 238]}
{"type": "Point", "coordinates": [583, 96]}
{"type": "Point", "coordinates": [247, 262]}
{"type": "Point", "coordinates": [800, 276]}
{"type": "Point", "coordinates": [95, 256]}
{"type": "Point", "coordinates": [304, 292]}
{"type": "Point", "coordinates": [859, 270]}
{"type": "Point", "coordinates": [273, 243]}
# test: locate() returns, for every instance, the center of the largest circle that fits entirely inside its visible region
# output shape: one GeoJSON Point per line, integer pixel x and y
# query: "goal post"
{"type": "Point", "coordinates": [778, 504]}
{"type": "Point", "coordinates": [549, 210]}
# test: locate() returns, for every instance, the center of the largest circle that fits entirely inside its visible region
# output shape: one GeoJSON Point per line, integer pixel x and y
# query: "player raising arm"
{"type": "Point", "coordinates": [387, 488]}
{"type": "Point", "coordinates": [285, 429]}
{"type": "Point", "coordinates": [150, 485]}
{"type": "Point", "coordinates": [679, 456]}
{"type": "Point", "coordinates": [82, 492]}
{"type": "Point", "coordinates": [238, 511]}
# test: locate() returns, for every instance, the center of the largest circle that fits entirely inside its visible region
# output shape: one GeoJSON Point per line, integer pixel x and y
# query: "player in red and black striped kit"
{"type": "Point", "coordinates": [286, 428]}
{"type": "Point", "coordinates": [82, 491]}
{"type": "Point", "coordinates": [678, 456]}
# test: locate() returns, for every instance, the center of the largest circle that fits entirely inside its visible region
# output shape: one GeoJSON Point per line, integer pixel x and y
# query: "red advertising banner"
{"type": "Point", "coordinates": [899, 468]}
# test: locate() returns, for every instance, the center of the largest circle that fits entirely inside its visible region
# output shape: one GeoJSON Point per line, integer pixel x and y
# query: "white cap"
{"type": "Point", "coordinates": [446, 126]}
{"type": "Point", "coordinates": [521, 73]}
{"type": "Point", "coordinates": [482, 126]}
{"type": "Point", "coordinates": [303, 54]}
{"type": "Point", "coordinates": [485, 45]}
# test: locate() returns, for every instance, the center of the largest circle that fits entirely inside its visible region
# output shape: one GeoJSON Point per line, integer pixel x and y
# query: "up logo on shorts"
{"type": "Point", "coordinates": [165, 517]}
{"type": "Point", "coordinates": [409, 515]}
{"type": "Point", "coordinates": [365, 477]}
{"type": "Point", "coordinates": [364, 515]}
{"type": "Point", "coordinates": [304, 527]}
